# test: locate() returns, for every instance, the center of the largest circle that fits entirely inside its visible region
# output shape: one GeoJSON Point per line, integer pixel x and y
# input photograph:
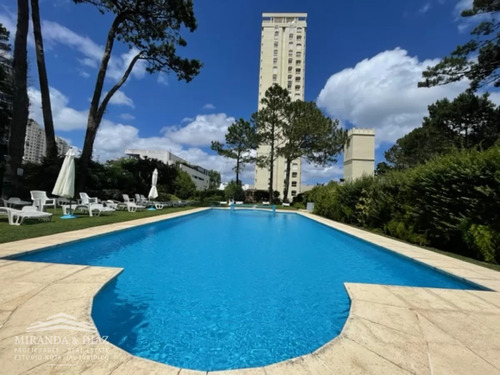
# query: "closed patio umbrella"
{"type": "Point", "coordinates": [153, 192]}
{"type": "Point", "coordinates": [65, 183]}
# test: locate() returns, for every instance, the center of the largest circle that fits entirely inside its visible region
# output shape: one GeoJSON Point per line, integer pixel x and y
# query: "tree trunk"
{"type": "Point", "coordinates": [93, 119]}
{"type": "Point", "coordinates": [20, 105]}
{"type": "Point", "coordinates": [287, 179]}
{"type": "Point", "coordinates": [238, 171]}
{"type": "Point", "coordinates": [271, 167]}
{"type": "Point", "coordinates": [50, 138]}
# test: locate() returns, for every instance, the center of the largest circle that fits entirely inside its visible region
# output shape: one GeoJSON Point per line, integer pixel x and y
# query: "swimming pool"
{"type": "Point", "coordinates": [233, 289]}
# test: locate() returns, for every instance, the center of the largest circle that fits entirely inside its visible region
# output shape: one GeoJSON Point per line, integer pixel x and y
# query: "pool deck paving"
{"type": "Point", "coordinates": [390, 329]}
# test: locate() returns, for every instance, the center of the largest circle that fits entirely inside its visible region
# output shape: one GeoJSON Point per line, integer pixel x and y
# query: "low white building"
{"type": "Point", "coordinates": [198, 174]}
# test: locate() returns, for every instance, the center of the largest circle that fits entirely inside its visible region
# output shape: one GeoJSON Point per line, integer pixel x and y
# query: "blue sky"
{"type": "Point", "coordinates": [363, 61]}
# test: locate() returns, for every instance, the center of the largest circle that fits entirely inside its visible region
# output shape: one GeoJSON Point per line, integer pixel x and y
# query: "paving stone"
{"type": "Point", "coordinates": [345, 357]}
{"type": "Point", "coordinates": [374, 293]}
{"type": "Point", "coordinates": [458, 360]}
{"type": "Point", "coordinates": [408, 352]}
{"type": "Point", "coordinates": [398, 318]}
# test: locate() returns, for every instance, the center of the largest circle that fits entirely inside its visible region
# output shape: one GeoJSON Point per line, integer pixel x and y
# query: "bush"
{"type": "Point", "coordinates": [452, 203]}
{"type": "Point", "coordinates": [234, 191]}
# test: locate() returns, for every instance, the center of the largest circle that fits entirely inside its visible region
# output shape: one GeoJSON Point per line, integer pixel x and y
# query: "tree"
{"type": "Point", "coordinates": [419, 146]}
{"type": "Point", "coordinates": [241, 138]}
{"type": "Point", "coordinates": [310, 135]}
{"type": "Point", "coordinates": [48, 123]}
{"type": "Point", "coordinates": [234, 191]}
{"type": "Point", "coordinates": [152, 29]}
{"type": "Point", "coordinates": [184, 186]}
{"type": "Point", "coordinates": [5, 97]}
{"type": "Point", "coordinates": [20, 103]}
{"type": "Point", "coordinates": [215, 179]}
{"type": "Point", "coordinates": [269, 122]}
{"type": "Point", "coordinates": [477, 60]}
{"type": "Point", "coordinates": [473, 119]}
{"type": "Point", "coordinates": [466, 122]}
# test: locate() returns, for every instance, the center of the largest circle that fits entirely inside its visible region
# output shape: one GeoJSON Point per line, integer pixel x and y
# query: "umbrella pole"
{"type": "Point", "coordinates": [69, 215]}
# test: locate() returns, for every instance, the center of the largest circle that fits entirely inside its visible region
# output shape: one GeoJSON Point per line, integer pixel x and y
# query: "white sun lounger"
{"type": "Point", "coordinates": [16, 217]}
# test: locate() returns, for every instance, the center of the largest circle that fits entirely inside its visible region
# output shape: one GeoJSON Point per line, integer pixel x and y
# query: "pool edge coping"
{"type": "Point", "coordinates": [319, 359]}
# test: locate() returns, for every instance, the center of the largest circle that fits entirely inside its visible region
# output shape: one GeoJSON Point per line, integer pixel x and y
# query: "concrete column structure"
{"type": "Point", "coordinates": [359, 154]}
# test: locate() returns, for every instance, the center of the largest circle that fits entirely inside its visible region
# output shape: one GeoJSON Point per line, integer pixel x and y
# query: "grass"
{"type": "Point", "coordinates": [34, 228]}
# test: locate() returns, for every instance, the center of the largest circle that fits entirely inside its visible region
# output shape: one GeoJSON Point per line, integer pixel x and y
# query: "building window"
{"type": "Point", "coordinates": [299, 46]}
{"type": "Point", "coordinates": [294, 193]}
{"type": "Point", "coordinates": [275, 44]}
{"type": "Point", "coordinates": [298, 54]}
{"type": "Point", "coordinates": [290, 53]}
{"type": "Point", "coordinates": [275, 70]}
{"type": "Point", "coordinates": [289, 68]}
{"type": "Point", "coordinates": [290, 77]}
{"type": "Point", "coordinates": [294, 174]}
{"type": "Point", "coordinates": [299, 30]}
{"type": "Point", "coordinates": [289, 85]}
{"type": "Point", "coordinates": [299, 37]}
{"type": "Point", "coordinates": [298, 62]}
{"type": "Point", "coordinates": [294, 183]}
{"type": "Point", "coordinates": [275, 60]}
{"type": "Point", "coordinates": [275, 77]}
{"type": "Point", "coordinates": [297, 79]}
{"type": "Point", "coordinates": [297, 87]}
{"type": "Point", "coordinates": [297, 95]}
{"type": "Point", "coordinates": [290, 45]}
{"type": "Point", "coordinates": [276, 33]}
{"type": "Point", "coordinates": [297, 71]}
{"type": "Point", "coordinates": [290, 61]}
{"type": "Point", "coordinates": [275, 53]}
{"type": "Point", "coordinates": [290, 36]}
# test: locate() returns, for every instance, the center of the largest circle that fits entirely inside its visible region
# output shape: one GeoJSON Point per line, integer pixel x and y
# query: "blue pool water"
{"type": "Point", "coordinates": [223, 290]}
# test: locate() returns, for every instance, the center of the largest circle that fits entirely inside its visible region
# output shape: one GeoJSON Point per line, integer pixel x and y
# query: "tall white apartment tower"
{"type": "Point", "coordinates": [282, 61]}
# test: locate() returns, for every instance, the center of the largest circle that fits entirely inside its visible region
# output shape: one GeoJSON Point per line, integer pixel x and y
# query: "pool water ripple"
{"type": "Point", "coordinates": [222, 290]}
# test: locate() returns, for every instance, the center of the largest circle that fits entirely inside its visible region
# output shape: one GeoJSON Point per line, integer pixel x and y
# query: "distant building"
{"type": "Point", "coordinates": [34, 143]}
{"type": "Point", "coordinates": [198, 174]}
{"type": "Point", "coordinates": [359, 154]}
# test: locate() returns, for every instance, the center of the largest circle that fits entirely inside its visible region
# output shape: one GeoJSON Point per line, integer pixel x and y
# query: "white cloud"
{"type": "Point", "coordinates": [208, 106]}
{"type": "Point", "coordinates": [425, 8]}
{"type": "Point", "coordinates": [113, 139]}
{"type": "Point", "coordinates": [162, 79]}
{"type": "Point", "coordinates": [120, 98]}
{"type": "Point", "coordinates": [187, 119]}
{"type": "Point", "coordinates": [65, 118]}
{"type": "Point", "coordinates": [127, 116]}
{"type": "Point", "coordinates": [461, 6]}
{"type": "Point", "coordinates": [382, 93]}
{"type": "Point", "coordinates": [8, 20]}
{"type": "Point", "coordinates": [54, 33]}
{"type": "Point", "coordinates": [312, 174]}
{"type": "Point", "coordinates": [201, 131]}
{"type": "Point", "coordinates": [84, 74]}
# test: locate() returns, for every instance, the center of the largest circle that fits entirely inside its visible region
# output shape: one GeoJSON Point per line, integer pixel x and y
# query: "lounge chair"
{"type": "Point", "coordinates": [40, 200]}
{"type": "Point", "coordinates": [130, 204]}
{"type": "Point", "coordinates": [86, 199]}
{"type": "Point", "coordinates": [141, 200]}
{"type": "Point", "coordinates": [17, 217]}
{"type": "Point", "coordinates": [91, 205]}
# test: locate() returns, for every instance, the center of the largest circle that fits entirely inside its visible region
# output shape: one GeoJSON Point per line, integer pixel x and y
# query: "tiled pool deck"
{"type": "Point", "coordinates": [390, 329]}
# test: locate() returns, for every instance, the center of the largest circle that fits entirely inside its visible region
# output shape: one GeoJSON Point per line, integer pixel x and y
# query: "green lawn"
{"type": "Point", "coordinates": [34, 228]}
